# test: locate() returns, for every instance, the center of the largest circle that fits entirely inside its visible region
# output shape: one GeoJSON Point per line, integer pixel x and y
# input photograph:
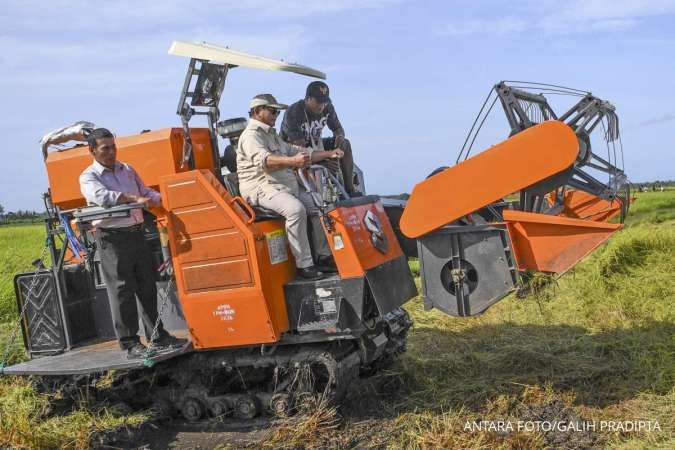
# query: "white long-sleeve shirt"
{"type": "Point", "coordinates": [101, 186]}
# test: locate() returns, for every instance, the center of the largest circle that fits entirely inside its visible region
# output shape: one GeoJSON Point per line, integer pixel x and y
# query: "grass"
{"type": "Point", "coordinates": [19, 246]}
{"type": "Point", "coordinates": [596, 344]}
{"type": "Point", "coordinates": [28, 422]}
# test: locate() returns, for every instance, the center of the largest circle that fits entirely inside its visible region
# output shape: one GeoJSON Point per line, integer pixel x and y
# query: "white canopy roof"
{"type": "Point", "coordinates": [223, 55]}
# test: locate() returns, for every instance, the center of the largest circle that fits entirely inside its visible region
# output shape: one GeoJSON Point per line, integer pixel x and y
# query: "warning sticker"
{"type": "Point", "coordinates": [328, 306]}
{"type": "Point", "coordinates": [277, 246]}
{"type": "Point", "coordinates": [338, 243]}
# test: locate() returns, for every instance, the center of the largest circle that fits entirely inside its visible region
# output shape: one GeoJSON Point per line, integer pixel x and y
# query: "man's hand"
{"type": "Point", "coordinates": [300, 160]}
{"type": "Point", "coordinates": [329, 158]}
{"type": "Point", "coordinates": [332, 162]}
{"type": "Point", "coordinates": [145, 201]}
{"type": "Point", "coordinates": [339, 140]}
{"type": "Point", "coordinates": [133, 198]}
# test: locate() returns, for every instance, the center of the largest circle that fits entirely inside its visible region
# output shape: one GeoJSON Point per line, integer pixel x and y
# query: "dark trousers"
{"type": "Point", "coordinates": [318, 237]}
{"type": "Point", "coordinates": [127, 269]}
{"type": "Point", "coordinates": [346, 163]}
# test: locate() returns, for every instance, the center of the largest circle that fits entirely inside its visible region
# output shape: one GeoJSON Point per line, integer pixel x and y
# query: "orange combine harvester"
{"type": "Point", "coordinates": [262, 341]}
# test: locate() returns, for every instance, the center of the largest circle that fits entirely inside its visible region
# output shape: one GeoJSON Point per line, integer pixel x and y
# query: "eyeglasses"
{"type": "Point", "coordinates": [274, 111]}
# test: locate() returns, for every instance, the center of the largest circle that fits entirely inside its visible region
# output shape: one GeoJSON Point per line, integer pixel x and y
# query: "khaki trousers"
{"type": "Point", "coordinates": [295, 210]}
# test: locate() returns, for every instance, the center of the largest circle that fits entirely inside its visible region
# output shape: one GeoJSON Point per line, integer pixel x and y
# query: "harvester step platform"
{"type": "Point", "coordinates": [99, 357]}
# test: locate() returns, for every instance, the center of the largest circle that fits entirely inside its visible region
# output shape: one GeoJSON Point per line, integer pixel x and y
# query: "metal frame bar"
{"type": "Point", "coordinates": [57, 258]}
{"type": "Point", "coordinates": [186, 110]}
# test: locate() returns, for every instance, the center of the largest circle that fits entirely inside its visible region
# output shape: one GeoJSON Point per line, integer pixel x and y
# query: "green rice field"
{"type": "Point", "coordinates": [595, 346]}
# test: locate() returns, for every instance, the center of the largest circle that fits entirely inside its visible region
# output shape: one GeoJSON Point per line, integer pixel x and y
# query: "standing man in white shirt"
{"type": "Point", "coordinates": [126, 262]}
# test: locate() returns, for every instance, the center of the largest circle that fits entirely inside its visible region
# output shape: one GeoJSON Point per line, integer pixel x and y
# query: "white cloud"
{"type": "Point", "coordinates": [56, 43]}
{"type": "Point", "coordinates": [613, 9]}
{"type": "Point", "coordinates": [67, 16]}
{"type": "Point", "coordinates": [565, 18]}
{"type": "Point", "coordinates": [502, 25]}
{"type": "Point", "coordinates": [126, 65]}
{"type": "Point", "coordinates": [664, 118]}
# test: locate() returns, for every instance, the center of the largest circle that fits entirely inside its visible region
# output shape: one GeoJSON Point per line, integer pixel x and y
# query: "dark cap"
{"type": "Point", "coordinates": [318, 90]}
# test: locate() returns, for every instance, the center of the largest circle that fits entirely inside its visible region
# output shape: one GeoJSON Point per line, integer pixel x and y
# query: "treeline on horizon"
{"type": "Point", "coordinates": [27, 216]}
{"type": "Point", "coordinates": [21, 216]}
{"type": "Point", "coordinates": [657, 183]}
{"type": "Point", "coordinates": [667, 184]}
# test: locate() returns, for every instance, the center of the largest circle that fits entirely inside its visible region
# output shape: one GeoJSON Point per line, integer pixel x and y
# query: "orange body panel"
{"type": "Point", "coordinates": [230, 290]}
{"type": "Point", "coordinates": [520, 161]}
{"type": "Point", "coordinates": [582, 205]}
{"type": "Point", "coordinates": [553, 243]}
{"type": "Point", "coordinates": [350, 240]}
{"type": "Point", "coordinates": [152, 154]}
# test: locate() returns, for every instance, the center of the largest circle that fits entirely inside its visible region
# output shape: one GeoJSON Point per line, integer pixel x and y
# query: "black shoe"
{"type": "Point", "coordinates": [326, 264]}
{"type": "Point", "coordinates": [138, 350]}
{"type": "Point", "coordinates": [166, 341]}
{"type": "Point", "coordinates": [310, 273]}
{"type": "Point", "coordinates": [326, 269]}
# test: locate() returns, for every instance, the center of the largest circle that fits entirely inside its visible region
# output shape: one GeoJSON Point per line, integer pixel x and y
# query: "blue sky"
{"type": "Point", "coordinates": [407, 77]}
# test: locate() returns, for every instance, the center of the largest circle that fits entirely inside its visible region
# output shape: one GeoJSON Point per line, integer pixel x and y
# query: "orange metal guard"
{"type": "Point", "coordinates": [553, 243]}
{"type": "Point", "coordinates": [520, 161]}
{"type": "Point", "coordinates": [582, 205]}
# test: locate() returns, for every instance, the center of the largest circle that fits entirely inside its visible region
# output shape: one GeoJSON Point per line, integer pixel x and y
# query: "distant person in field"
{"type": "Point", "coordinates": [303, 125]}
{"type": "Point", "coordinates": [126, 262]}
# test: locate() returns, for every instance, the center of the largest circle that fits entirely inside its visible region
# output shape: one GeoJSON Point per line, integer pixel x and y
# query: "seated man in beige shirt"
{"type": "Point", "coordinates": [266, 165]}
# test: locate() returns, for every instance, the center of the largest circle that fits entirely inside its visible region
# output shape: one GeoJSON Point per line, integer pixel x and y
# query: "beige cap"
{"type": "Point", "coordinates": [266, 100]}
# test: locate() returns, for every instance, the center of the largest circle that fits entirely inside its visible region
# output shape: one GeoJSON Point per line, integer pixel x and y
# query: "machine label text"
{"type": "Point", "coordinates": [276, 244]}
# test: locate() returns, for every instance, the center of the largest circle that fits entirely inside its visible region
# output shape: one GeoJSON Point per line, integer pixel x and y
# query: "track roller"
{"type": "Point", "coordinates": [246, 407]}
{"type": "Point", "coordinates": [193, 409]}
{"type": "Point", "coordinates": [218, 408]}
{"type": "Point", "coordinates": [164, 408]}
{"type": "Point", "coordinates": [305, 402]}
{"type": "Point", "coordinates": [281, 404]}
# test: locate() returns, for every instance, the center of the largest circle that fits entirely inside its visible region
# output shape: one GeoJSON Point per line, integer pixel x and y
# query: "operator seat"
{"type": "Point", "coordinates": [231, 181]}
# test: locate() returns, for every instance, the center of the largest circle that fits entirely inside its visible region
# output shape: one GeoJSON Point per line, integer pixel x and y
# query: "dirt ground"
{"type": "Point", "coordinates": [181, 435]}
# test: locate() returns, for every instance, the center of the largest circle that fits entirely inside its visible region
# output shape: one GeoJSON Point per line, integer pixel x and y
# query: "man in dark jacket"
{"type": "Point", "coordinates": [303, 125]}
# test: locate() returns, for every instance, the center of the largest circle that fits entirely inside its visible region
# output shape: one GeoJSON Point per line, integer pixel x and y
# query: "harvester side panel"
{"type": "Point", "coordinates": [230, 270]}
{"type": "Point", "coordinates": [364, 244]}
{"type": "Point", "coordinates": [151, 154]}
{"type": "Point", "coordinates": [351, 242]}
{"type": "Point", "coordinates": [520, 161]}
